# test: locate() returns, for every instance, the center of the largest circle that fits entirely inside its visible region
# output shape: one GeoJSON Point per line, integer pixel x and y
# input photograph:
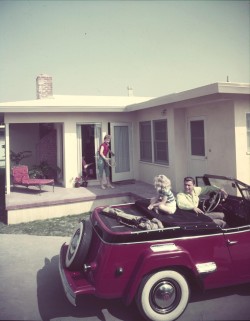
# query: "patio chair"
{"type": "Point", "coordinates": [20, 176]}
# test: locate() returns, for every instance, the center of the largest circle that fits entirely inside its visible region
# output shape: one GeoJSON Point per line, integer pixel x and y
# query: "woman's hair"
{"type": "Point", "coordinates": [163, 181]}
{"type": "Point", "coordinates": [107, 137]}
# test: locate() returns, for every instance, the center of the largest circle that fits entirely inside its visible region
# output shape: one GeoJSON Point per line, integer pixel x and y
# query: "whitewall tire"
{"type": "Point", "coordinates": [163, 296]}
{"type": "Point", "coordinates": [79, 246]}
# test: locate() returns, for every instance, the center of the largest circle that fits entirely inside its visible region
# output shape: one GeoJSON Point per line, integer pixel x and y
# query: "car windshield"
{"type": "Point", "coordinates": [231, 186]}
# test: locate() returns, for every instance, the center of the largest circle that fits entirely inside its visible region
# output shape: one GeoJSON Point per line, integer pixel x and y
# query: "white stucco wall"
{"type": "Point", "coordinates": [180, 147]}
{"type": "Point", "coordinates": [219, 136]}
{"type": "Point", "coordinates": [69, 124]}
{"type": "Point", "coordinates": [147, 171]}
{"type": "Point", "coordinates": [225, 137]}
{"type": "Point", "coordinates": [241, 108]}
{"type": "Point", "coordinates": [220, 140]}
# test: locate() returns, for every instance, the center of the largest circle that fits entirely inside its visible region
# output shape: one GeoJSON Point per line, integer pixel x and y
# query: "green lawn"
{"type": "Point", "coordinates": [63, 226]}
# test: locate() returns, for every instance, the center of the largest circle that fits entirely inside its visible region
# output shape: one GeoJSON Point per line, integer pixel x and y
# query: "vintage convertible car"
{"type": "Point", "coordinates": [123, 252]}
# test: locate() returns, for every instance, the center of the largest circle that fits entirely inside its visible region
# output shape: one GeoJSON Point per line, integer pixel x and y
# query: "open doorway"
{"type": "Point", "coordinates": [90, 140]}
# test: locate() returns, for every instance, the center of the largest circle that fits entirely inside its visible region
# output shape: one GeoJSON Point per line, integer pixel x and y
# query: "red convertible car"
{"type": "Point", "coordinates": [129, 252]}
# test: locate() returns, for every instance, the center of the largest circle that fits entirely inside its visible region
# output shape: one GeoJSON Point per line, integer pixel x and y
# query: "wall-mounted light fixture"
{"type": "Point", "coordinates": [164, 112]}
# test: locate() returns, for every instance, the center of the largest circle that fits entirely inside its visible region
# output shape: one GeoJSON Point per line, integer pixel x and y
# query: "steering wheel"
{"type": "Point", "coordinates": [212, 202]}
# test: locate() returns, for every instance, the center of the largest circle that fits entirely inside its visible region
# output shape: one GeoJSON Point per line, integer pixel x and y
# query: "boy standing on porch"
{"type": "Point", "coordinates": [103, 165]}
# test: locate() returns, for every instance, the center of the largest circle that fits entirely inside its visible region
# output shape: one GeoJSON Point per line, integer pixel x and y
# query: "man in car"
{"type": "Point", "coordinates": [189, 199]}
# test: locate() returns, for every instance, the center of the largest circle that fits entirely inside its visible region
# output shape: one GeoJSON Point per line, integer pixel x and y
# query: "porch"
{"type": "Point", "coordinates": [29, 204]}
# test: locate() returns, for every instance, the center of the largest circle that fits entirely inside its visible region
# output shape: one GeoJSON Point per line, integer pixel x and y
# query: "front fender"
{"type": "Point", "coordinates": [158, 257]}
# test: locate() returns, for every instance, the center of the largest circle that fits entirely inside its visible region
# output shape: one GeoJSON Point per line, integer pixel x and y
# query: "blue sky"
{"type": "Point", "coordinates": [101, 47]}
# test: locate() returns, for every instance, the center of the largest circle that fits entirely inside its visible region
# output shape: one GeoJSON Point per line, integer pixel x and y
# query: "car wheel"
{"type": "Point", "coordinates": [163, 296]}
{"type": "Point", "coordinates": [79, 246]}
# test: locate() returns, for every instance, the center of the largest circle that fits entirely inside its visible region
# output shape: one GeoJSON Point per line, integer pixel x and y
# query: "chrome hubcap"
{"type": "Point", "coordinates": [165, 296]}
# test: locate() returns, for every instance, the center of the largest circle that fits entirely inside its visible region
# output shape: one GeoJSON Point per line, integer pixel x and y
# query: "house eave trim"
{"type": "Point", "coordinates": [60, 109]}
{"type": "Point", "coordinates": [205, 91]}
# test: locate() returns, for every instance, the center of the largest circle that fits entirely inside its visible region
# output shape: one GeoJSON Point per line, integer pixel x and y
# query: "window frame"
{"type": "Point", "coordinates": [197, 138]}
{"type": "Point", "coordinates": [145, 141]}
{"type": "Point", "coordinates": [155, 143]}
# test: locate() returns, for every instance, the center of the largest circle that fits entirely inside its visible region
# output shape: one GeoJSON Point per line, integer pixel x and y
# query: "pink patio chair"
{"type": "Point", "coordinates": [20, 176]}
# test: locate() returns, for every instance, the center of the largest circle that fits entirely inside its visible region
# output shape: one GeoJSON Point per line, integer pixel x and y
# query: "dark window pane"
{"type": "Point", "coordinates": [197, 138]}
{"type": "Point", "coordinates": [160, 142]}
{"type": "Point", "coordinates": [145, 141]}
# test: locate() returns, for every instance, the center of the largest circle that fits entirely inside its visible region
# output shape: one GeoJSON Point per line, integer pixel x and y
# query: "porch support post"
{"type": "Point", "coordinates": [70, 153]}
{"type": "Point", "coordinates": [59, 152]}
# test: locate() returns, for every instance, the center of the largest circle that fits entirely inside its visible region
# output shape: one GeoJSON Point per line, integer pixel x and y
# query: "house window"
{"type": "Point", "coordinates": [197, 138]}
{"type": "Point", "coordinates": [154, 142]}
{"type": "Point", "coordinates": [160, 142]}
{"type": "Point", "coordinates": [145, 141]}
{"type": "Point", "coordinates": [248, 133]}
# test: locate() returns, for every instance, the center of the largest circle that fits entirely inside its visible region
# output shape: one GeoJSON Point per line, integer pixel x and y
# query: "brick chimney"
{"type": "Point", "coordinates": [44, 86]}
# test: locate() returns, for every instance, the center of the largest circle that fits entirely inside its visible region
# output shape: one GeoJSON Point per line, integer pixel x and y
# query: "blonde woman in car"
{"type": "Point", "coordinates": [164, 200]}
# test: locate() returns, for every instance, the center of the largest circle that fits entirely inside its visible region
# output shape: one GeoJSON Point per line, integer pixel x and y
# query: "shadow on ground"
{"type": "Point", "coordinates": [53, 303]}
{"type": "Point", "coordinates": [241, 290]}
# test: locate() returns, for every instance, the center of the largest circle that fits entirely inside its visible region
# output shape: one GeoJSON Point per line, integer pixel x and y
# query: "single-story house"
{"type": "Point", "coordinates": [202, 130]}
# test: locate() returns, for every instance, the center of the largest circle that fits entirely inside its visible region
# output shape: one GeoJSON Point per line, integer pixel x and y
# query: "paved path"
{"type": "Point", "coordinates": [30, 289]}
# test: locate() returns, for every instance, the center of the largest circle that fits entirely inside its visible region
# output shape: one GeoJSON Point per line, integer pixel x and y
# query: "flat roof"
{"type": "Point", "coordinates": [72, 103]}
{"type": "Point", "coordinates": [212, 89]}
{"type": "Point", "coordinates": [78, 103]}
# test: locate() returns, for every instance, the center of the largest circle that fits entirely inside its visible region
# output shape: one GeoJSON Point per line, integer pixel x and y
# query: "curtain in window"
{"type": "Point", "coordinates": [121, 138]}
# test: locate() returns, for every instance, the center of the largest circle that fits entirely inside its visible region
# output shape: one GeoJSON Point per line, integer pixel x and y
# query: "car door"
{"type": "Point", "coordinates": [238, 242]}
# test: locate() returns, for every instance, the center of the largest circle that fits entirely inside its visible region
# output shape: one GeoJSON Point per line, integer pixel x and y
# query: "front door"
{"type": "Point", "coordinates": [197, 163]}
{"type": "Point", "coordinates": [121, 144]}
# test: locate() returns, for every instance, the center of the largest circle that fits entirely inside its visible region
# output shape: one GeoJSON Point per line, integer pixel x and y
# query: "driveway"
{"type": "Point", "coordinates": [30, 289]}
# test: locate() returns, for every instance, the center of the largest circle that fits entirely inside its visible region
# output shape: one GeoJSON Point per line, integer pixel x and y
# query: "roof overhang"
{"type": "Point", "coordinates": [212, 92]}
{"type": "Point", "coordinates": [110, 104]}
{"type": "Point", "coordinates": [72, 104]}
